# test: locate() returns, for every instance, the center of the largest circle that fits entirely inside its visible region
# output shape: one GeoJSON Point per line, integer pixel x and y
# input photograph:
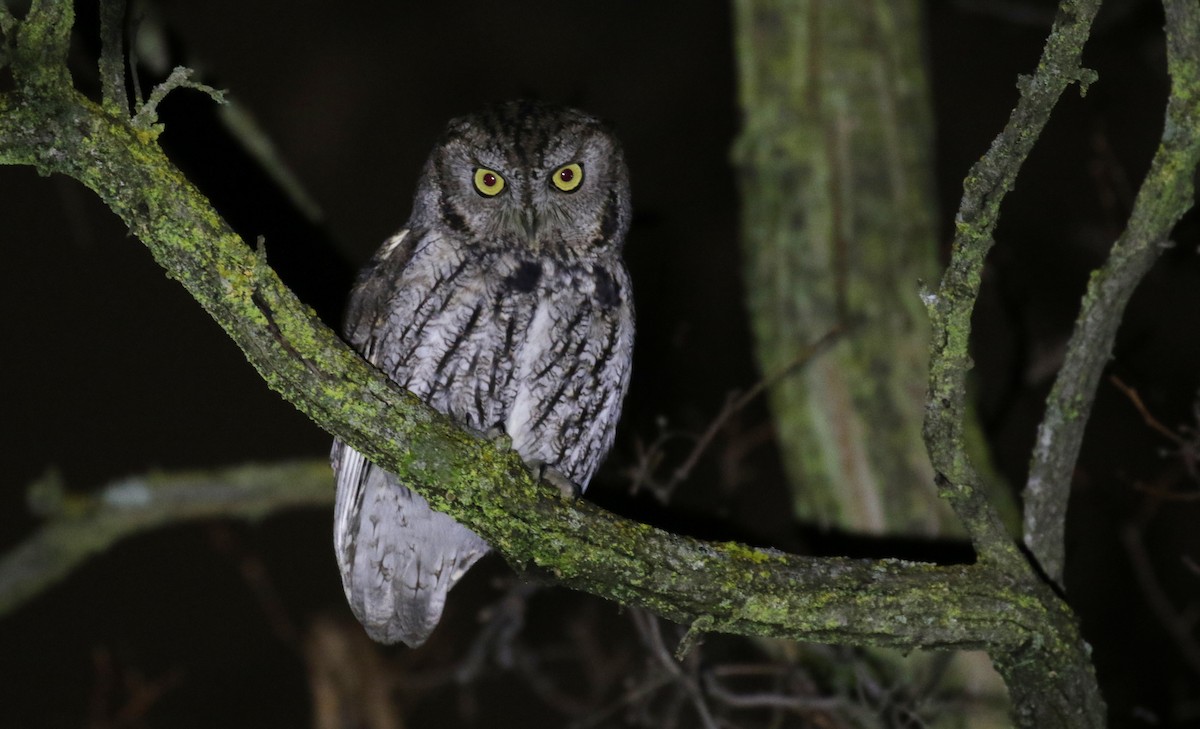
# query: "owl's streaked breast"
{"type": "Point", "coordinates": [496, 339]}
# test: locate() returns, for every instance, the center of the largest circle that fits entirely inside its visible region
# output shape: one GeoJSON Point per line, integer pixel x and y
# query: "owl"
{"type": "Point", "coordinates": [504, 303]}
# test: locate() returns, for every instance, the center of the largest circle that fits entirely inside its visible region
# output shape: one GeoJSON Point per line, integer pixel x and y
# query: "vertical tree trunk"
{"type": "Point", "coordinates": [835, 167]}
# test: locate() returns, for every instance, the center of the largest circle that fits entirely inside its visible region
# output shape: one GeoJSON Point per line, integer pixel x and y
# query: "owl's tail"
{"type": "Point", "coordinates": [398, 557]}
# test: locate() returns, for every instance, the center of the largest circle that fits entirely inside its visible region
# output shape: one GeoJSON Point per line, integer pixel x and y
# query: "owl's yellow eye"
{"type": "Point", "coordinates": [568, 178]}
{"type": "Point", "coordinates": [488, 182]}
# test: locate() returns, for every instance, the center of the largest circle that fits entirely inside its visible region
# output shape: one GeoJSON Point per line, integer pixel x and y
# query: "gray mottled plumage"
{"type": "Point", "coordinates": [504, 303]}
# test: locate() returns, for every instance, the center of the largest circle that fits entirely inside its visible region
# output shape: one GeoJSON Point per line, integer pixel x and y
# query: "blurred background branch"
{"type": "Point", "coordinates": [81, 525]}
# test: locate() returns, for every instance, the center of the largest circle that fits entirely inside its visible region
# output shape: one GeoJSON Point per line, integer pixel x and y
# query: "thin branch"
{"type": "Point", "coordinates": [736, 402]}
{"type": "Point", "coordinates": [1187, 449]}
{"type": "Point", "coordinates": [80, 526]}
{"type": "Point", "coordinates": [180, 78]}
{"type": "Point", "coordinates": [1178, 624]}
{"type": "Point", "coordinates": [641, 474]}
{"type": "Point", "coordinates": [1165, 195]}
{"type": "Point", "coordinates": [950, 307]}
{"type": "Point", "coordinates": [772, 699]}
{"type": "Point", "coordinates": [112, 57]}
{"type": "Point", "coordinates": [651, 635]}
{"type": "Point", "coordinates": [636, 693]}
{"type": "Point", "coordinates": [1152, 422]}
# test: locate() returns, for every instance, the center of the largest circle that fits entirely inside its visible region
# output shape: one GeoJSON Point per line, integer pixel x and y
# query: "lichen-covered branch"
{"type": "Point", "coordinates": [1165, 195]}
{"type": "Point", "coordinates": [950, 306]}
{"type": "Point", "coordinates": [79, 526]}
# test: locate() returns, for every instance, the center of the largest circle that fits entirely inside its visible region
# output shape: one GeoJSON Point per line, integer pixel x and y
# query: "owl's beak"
{"type": "Point", "coordinates": [530, 222]}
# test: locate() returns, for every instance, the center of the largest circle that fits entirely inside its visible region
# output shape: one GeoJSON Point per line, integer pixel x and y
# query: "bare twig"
{"type": "Point", "coordinates": [637, 693]}
{"type": "Point", "coordinates": [180, 78]}
{"type": "Point", "coordinates": [736, 402]}
{"type": "Point", "coordinates": [642, 473]}
{"type": "Point", "coordinates": [254, 573]}
{"type": "Point", "coordinates": [1179, 624]}
{"type": "Point", "coordinates": [771, 700]}
{"type": "Point", "coordinates": [651, 634]}
{"type": "Point", "coordinates": [112, 57]}
{"type": "Point", "coordinates": [136, 693]}
{"type": "Point", "coordinates": [1153, 422]}
{"type": "Point", "coordinates": [503, 622]}
{"type": "Point", "coordinates": [1186, 440]}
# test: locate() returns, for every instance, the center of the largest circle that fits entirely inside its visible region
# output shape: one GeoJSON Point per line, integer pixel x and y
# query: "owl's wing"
{"type": "Point", "coordinates": [398, 557]}
{"type": "Point", "coordinates": [366, 310]}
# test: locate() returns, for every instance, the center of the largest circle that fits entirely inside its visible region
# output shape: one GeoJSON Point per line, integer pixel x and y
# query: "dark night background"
{"type": "Point", "coordinates": [110, 369]}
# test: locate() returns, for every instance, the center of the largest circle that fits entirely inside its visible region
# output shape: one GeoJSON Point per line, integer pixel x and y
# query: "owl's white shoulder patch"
{"type": "Point", "coordinates": [390, 244]}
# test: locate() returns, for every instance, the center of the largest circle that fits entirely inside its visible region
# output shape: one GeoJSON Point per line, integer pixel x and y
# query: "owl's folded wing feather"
{"type": "Point", "coordinates": [398, 557]}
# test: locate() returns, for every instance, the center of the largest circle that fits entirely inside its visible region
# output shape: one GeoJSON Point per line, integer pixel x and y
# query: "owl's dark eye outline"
{"type": "Point", "coordinates": [488, 183]}
{"type": "Point", "coordinates": [567, 178]}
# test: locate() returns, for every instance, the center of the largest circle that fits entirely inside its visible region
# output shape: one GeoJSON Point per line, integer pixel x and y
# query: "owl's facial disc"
{"type": "Point", "coordinates": [532, 176]}
{"type": "Point", "coordinates": [543, 204]}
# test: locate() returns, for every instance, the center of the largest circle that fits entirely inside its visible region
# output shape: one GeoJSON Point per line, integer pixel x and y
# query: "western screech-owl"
{"type": "Point", "coordinates": [504, 303]}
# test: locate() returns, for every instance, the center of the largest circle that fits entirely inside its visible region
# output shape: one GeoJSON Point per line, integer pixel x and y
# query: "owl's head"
{"type": "Point", "coordinates": [528, 175]}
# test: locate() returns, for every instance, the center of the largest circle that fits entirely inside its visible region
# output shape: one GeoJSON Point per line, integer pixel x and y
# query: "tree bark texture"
{"type": "Point", "coordinates": [835, 169]}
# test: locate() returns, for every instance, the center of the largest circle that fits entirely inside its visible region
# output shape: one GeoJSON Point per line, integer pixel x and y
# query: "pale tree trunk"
{"type": "Point", "coordinates": [835, 165]}
{"type": "Point", "coordinates": [836, 169]}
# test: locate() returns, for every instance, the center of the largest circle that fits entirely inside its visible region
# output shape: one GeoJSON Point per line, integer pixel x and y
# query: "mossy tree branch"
{"type": "Point", "coordinates": [997, 604]}
{"type": "Point", "coordinates": [1165, 195]}
{"type": "Point", "coordinates": [950, 307]}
